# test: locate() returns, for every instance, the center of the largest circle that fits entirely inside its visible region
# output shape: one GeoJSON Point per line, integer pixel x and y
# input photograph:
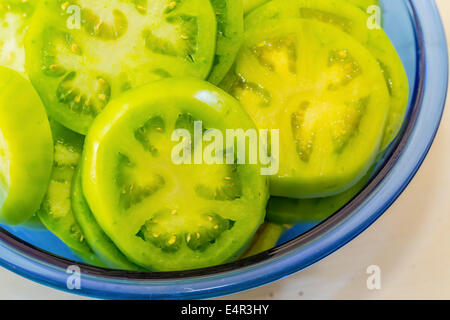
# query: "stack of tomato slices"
{"type": "Point", "coordinates": [116, 117]}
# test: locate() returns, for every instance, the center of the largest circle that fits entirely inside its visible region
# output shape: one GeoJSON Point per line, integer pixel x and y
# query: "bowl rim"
{"type": "Point", "coordinates": [392, 178]}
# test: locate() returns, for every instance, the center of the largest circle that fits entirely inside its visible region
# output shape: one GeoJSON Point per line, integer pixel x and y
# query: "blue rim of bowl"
{"type": "Point", "coordinates": [394, 176]}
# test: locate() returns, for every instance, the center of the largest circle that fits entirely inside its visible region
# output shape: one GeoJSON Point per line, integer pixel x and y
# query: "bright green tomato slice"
{"type": "Point", "coordinates": [355, 22]}
{"type": "Point", "coordinates": [100, 243]}
{"type": "Point", "coordinates": [26, 151]}
{"type": "Point", "coordinates": [294, 211]}
{"type": "Point", "coordinates": [80, 54]}
{"type": "Point", "coordinates": [230, 30]}
{"type": "Point", "coordinates": [56, 210]}
{"type": "Point", "coordinates": [15, 16]}
{"type": "Point", "coordinates": [162, 215]}
{"type": "Point", "coordinates": [326, 95]}
{"type": "Point", "coordinates": [265, 239]}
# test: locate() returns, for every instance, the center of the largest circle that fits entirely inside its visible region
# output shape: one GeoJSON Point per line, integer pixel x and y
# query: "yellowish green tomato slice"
{"type": "Point", "coordinates": [15, 16]}
{"type": "Point", "coordinates": [80, 54]}
{"type": "Point", "coordinates": [326, 95]}
{"type": "Point", "coordinates": [265, 239]}
{"type": "Point", "coordinates": [295, 211]}
{"type": "Point", "coordinates": [26, 149]}
{"type": "Point", "coordinates": [230, 30]}
{"type": "Point", "coordinates": [163, 214]}
{"type": "Point", "coordinates": [100, 243]}
{"type": "Point", "coordinates": [355, 22]}
{"type": "Point", "coordinates": [56, 210]}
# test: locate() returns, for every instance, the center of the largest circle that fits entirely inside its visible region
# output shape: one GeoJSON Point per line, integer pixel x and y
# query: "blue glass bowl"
{"type": "Point", "coordinates": [415, 28]}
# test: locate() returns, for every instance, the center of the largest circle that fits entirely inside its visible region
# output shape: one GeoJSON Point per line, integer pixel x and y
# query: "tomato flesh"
{"type": "Point", "coordinates": [15, 16]}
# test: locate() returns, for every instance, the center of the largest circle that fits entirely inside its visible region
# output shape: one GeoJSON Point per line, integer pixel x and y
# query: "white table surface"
{"type": "Point", "coordinates": [410, 243]}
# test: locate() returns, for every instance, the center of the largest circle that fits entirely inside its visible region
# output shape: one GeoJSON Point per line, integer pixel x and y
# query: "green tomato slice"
{"type": "Point", "coordinates": [230, 30]}
{"type": "Point", "coordinates": [80, 54]}
{"type": "Point", "coordinates": [15, 16]}
{"type": "Point", "coordinates": [351, 20]}
{"type": "Point", "coordinates": [56, 209]}
{"type": "Point", "coordinates": [162, 215]}
{"type": "Point", "coordinates": [26, 151]}
{"type": "Point", "coordinates": [100, 243]}
{"type": "Point", "coordinates": [296, 211]}
{"type": "Point", "coordinates": [265, 239]}
{"type": "Point", "coordinates": [326, 95]}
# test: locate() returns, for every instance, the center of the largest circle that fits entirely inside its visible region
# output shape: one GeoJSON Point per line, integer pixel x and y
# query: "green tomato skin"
{"type": "Point", "coordinates": [103, 247]}
{"type": "Point", "coordinates": [26, 133]}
